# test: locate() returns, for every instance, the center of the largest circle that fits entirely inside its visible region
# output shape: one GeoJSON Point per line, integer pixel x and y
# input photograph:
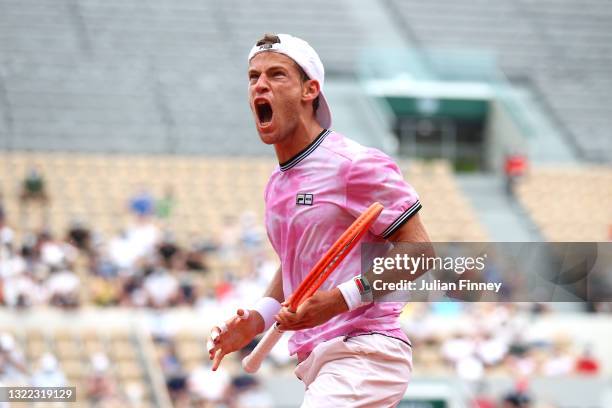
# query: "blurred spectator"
{"type": "Point", "coordinates": [63, 287]}
{"type": "Point", "coordinates": [207, 386]}
{"type": "Point", "coordinates": [135, 393]}
{"type": "Point", "coordinates": [188, 294]}
{"type": "Point", "coordinates": [33, 191]}
{"type": "Point", "coordinates": [587, 364]}
{"type": "Point", "coordinates": [100, 388]}
{"type": "Point", "coordinates": [23, 290]}
{"type": "Point", "coordinates": [79, 235]}
{"type": "Point", "coordinates": [515, 167]}
{"type": "Point", "coordinates": [169, 252]}
{"type": "Point", "coordinates": [104, 291]}
{"type": "Point", "coordinates": [13, 370]}
{"type": "Point", "coordinates": [176, 379]}
{"type": "Point", "coordinates": [120, 251]}
{"type": "Point", "coordinates": [521, 360]}
{"type": "Point", "coordinates": [33, 187]}
{"type": "Point", "coordinates": [483, 397]}
{"type": "Point", "coordinates": [195, 259]}
{"type": "Point", "coordinates": [516, 400]}
{"type": "Point", "coordinates": [54, 253]}
{"type": "Point", "coordinates": [143, 237]}
{"type": "Point", "coordinates": [101, 265]}
{"type": "Point", "coordinates": [49, 373]}
{"type": "Point", "coordinates": [6, 233]}
{"type": "Point", "coordinates": [560, 362]}
{"type": "Point", "coordinates": [138, 242]}
{"type": "Point", "coordinates": [165, 205]}
{"type": "Point", "coordinates": [247, 392]}
{"type": "Point", "coordinates": [161, 288]}
{"type": "Point", "coordinates": [132, 293]}
{"type": "Point", "coordinates": [470, 368]}
{"type": "Point", "coordinates": [225, 289]}
{"type": "Point", "coordinates": [519, 397]}
{"type": "Point", "coordinates": [458, 348]}
{"type": "Point", "coordinates": [491, 350]}
{"type": "Point", "coordinates": [11, 264]}
{"type": "Point", "coordinates": [142, 203]}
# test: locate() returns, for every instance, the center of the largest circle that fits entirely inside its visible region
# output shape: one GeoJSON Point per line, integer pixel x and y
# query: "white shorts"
{"type": "Point", "coordinates": [370, 370]}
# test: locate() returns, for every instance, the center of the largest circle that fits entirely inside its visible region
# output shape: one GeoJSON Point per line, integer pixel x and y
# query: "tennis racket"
{"type": "Point", "coordinates": [313, 281]}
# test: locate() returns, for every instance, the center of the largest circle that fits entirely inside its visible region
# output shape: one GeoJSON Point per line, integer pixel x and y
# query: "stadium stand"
{"type": "Point", "coordinates": [91, 76]}
{"type": "Point", "coordinates": [568, 204]}
{"type": "Point", "coordinates": [455, 219]}
{"type": "Point", "coordinates": [487, 342]}
{"type": "Point", "coordinates": [561, 48]}
{"type": "Point", "coordinates": [154, 78]}
{"type": "Point", "coordinates": [206, 191]}
{"type": "Point", "coordinates": [98, 188]}
{"type": "Point", "coordinates": [108, 367]}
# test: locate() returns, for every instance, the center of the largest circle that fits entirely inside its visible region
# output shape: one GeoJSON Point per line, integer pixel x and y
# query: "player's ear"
{"type": "Point", "coordinates": [310, 90]}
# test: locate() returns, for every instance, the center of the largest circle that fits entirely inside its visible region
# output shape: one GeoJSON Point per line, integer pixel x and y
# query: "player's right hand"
{"type": "Point", "coordinates": [233, 334]}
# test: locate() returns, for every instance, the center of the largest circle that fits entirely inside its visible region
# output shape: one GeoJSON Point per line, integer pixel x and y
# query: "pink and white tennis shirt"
{"type": "Point", "coordinates": [311, 200]}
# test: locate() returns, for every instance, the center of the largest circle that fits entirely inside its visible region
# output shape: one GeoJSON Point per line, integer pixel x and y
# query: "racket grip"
{"type": "Point", "coordinates": [252, 362]}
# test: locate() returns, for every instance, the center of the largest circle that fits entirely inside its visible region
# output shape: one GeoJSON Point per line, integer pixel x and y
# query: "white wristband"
{"type": "Point", "coordinates": [352, 294]}
{"type": "Point", "coordinates": [267, 307]}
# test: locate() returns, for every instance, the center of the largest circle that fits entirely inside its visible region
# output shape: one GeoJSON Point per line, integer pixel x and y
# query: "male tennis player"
{"type": "Point", "coordinates": [351, 351]}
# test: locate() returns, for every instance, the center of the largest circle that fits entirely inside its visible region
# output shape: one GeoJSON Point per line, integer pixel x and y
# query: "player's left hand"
{"type": "Point", "coordinates": [315, 310]}
{"type": "Point", "coordinates": [233, 334]}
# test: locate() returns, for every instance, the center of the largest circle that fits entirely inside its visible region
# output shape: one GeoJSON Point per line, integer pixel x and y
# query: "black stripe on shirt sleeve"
{"type": "Point", "coordinates": [401, 220]}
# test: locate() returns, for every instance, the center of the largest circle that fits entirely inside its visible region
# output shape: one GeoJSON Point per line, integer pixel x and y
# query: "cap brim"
{"type": "Point", "coordinates": [324, 116]}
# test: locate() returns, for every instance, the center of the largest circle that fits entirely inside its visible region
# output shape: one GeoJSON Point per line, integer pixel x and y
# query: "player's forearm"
{"type": "Point", "coordinates": [268, 306]}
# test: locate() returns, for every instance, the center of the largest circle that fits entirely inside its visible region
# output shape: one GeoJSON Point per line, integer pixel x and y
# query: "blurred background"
{"type": "Point", "coordinates": [131, 186]}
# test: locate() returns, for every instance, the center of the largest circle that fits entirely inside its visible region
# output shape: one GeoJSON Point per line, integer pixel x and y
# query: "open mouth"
{"type": "Point", "coordinates": [264, 112]}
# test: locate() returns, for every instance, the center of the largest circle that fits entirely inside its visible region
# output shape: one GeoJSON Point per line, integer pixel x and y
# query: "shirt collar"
{"type": "Point", "coordinates": [289, 164]}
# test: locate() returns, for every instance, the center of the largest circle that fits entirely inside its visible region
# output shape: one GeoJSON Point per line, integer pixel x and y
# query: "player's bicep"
{"type": "Point", "coordinates": [413, 230]}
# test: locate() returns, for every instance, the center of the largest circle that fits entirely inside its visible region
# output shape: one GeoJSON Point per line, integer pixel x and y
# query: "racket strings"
{"type": "Point", "coordinates": [318, 275]}
{"type": "Point", "coordinates": [337, 253]}
{"type": "Point", "coordinates": [318, 280]}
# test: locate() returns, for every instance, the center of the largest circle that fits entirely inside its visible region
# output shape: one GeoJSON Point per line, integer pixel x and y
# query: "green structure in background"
{"type": "Point", "coordinates": [440, 101]}
{"type": "Point", "coordinates": [455, 108]}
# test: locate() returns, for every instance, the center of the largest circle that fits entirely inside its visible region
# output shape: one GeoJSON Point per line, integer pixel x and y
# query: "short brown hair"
{"type": "Point", "coordinates": [273, 39]}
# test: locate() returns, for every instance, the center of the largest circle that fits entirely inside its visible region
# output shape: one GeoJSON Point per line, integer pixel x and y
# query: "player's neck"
{"type": "Point", "coordinates": [303, 135]}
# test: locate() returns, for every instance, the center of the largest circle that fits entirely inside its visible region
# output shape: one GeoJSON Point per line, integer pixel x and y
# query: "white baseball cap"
{"type": "Point", "coordinates": [307, 58]}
